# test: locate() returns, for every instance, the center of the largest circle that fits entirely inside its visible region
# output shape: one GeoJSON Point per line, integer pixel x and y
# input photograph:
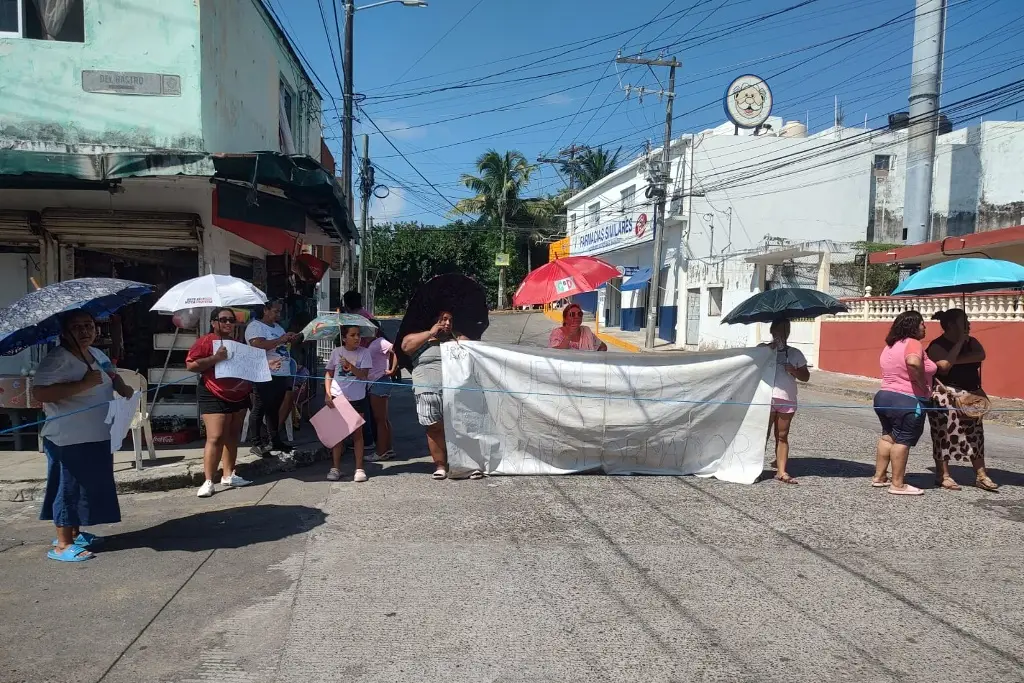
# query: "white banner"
{"type": "Point", "coordinates": [518, 410]}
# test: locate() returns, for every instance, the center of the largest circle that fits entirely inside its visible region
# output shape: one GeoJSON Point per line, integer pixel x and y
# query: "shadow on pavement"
{"type": "Point", "coordinates": [829, 467]}
{"type": "Point", "coordinates": [231, 528]}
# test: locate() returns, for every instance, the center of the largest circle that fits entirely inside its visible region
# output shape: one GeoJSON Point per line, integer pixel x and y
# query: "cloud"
{"type": "Point", "coordinates": [557, 98]}
{"type": "Point", "coordinates": [397, 129]}
{"type": "Point", "coordinates": [386, 210]}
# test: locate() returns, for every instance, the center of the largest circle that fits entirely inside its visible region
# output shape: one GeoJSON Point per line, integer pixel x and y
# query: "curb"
{"type": "Point", "coordinates": [174, 477]}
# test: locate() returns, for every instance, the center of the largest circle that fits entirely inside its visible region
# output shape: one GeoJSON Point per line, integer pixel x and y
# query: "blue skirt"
{"type": "Point", "coordinates": [80, 488]}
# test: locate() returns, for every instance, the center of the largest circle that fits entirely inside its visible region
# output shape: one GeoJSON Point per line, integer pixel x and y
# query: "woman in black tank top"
{"type": "Point", "coordinates": [954, 433]}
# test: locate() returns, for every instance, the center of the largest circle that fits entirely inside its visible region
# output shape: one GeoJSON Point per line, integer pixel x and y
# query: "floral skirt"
{"type": "Point", "coordinates": [953, 434]}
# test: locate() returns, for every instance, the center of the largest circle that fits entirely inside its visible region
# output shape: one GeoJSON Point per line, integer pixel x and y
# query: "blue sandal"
{"type": "Point", "coordinates": [83, 540]}
{"type": "Point", "coordinates": [73, 553]}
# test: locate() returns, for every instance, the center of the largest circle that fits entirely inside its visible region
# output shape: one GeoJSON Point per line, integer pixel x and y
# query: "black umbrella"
{"type": "Point", "coordinates": [463, 297]}
{"type": "Point", "coordinates": [785, 303]}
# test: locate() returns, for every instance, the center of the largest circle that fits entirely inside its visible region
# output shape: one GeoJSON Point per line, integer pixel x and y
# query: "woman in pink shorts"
{"type": "Point", "coordinates": [791, 365]}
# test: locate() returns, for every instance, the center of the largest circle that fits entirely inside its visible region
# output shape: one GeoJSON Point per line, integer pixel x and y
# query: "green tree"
{"type": "Point", "coordinates": [405, 255]}
{"type": "Point", "coordinates": [591, 166]}
{"type": "Point", "coordinates": [497, 203]}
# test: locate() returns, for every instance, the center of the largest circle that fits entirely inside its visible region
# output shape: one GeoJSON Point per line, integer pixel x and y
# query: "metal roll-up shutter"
{"type": "Point", "coordinates": [19, 229]}
{"type": "Point", "coordinates": [122, 229]}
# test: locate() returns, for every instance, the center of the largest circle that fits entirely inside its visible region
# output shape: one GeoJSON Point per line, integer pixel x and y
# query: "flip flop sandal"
{"type": "Point", "coordinates": [73, 553]}
{"type": "Point", "coordinates": [440, 474]}
{"type": "Point", "coordinates": [986, 484]}
{"type": "Point", "coordinates": [907, 490]}
{"type": "Point", "coordinates": [83, 540]}
{"type": "Point", "coordinates": [476, 474]}
{"type": "Point", "coordinates": [947, 483]}
{"type": "Point", "coordinates": [879, 484]}
{"type": "Point", "coordinates": [786, 480]}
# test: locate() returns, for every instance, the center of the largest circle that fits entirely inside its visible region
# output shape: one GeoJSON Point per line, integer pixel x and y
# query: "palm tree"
{"type": "Point", "coordinates": [591, 166]}
{"type": "Point", "coordinates": [498, 186]}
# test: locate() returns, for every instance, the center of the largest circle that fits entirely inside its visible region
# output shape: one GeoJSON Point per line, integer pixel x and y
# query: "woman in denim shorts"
{"type": "Point", "coordinates": [385, 363]}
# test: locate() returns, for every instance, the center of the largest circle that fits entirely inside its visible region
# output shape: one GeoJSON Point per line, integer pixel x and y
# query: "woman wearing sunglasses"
{"type": "Point", "coordinates": [573, 334]}
{"type": "Point", "coordinates": [222, 403]}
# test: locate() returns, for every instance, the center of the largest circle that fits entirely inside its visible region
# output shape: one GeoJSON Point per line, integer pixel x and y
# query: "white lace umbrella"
{"type": "Point", "coordinates": [209, 291]}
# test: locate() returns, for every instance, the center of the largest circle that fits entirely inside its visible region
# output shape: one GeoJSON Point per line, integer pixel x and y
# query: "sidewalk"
{"type": "Point", "coordinates": [23, 473]}
{"type": "Point", "coordinates": [1005, 411]}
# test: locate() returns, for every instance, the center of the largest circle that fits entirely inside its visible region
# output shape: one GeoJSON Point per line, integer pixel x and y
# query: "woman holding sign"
{"type": "Point", "coordinates": [222, 402]}
{"type": "Point", "coordinates": [75, 383]}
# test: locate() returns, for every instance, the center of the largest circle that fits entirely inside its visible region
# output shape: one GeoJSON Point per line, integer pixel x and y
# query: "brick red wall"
{"type": "Point", "coordinates": [852, 348]}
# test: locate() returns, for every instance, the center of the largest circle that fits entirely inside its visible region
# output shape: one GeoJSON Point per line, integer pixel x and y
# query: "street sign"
{"type": "Point", "coordinates": [501, 259]}
{"type": "Point", "coordinates": [131, 83]}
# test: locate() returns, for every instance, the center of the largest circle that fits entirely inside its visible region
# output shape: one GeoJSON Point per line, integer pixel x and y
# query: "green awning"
{"type": "Point", "coordinates": [301, 178]}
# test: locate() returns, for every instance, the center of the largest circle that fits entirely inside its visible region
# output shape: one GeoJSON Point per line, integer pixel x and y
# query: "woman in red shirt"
{"type": "Point", "coordinates": [222, 402]}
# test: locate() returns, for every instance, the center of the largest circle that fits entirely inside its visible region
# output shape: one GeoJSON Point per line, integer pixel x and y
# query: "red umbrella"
{"type": "Point", "coordinates": [563, 278]}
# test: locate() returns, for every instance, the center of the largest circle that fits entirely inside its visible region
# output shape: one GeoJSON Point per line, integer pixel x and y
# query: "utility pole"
{"type": "Point", "coordinates": [346, 121]}
{"type": "Point", "coordinates": [929, 29]}
{"type": "Point", "coordinates": [365, 191]}
{"type": "Point", "coordinates": [571, 153]}
{"type": "Point", "coordinates": [659, 183]}
{"type": "Point", "coordinates": [501, 269]}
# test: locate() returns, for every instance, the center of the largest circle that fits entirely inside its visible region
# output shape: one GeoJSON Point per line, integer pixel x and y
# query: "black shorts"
{"type": "Point", "coordinates": [209, 404]}
{"type": "Point", "coordinates": [902, 416]}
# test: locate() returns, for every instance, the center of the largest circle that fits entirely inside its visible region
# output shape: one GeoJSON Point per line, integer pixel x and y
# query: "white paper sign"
{"type": "Point", "coordinates": [517, 410]}
{"type": "Point", "coordinates": [243, 362]}
{"type": "Point", "coordinates": [120, 414]}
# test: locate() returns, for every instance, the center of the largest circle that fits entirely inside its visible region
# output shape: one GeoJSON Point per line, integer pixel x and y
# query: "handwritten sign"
{"type": "Point", "coordinates": [243, 362]}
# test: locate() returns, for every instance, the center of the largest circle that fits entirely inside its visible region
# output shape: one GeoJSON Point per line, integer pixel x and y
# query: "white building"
{"type": "Point", "coordinates": [782, 209]}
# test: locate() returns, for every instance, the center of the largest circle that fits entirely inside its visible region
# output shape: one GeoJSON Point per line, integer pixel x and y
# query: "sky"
{"type": "Point", "coordinates": [449, 81]}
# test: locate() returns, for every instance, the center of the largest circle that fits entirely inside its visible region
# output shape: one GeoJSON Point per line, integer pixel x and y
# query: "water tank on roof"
{"type": "Point", "coordinates": [793, 129]}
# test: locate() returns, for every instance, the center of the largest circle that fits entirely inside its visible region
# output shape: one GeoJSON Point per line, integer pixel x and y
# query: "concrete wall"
{"type": "Point", "coordinates": [41, 95]}
{"type": "Point", "coordinates": [244, 60]}
{"type": "Point", "coordinates": [853, 348]}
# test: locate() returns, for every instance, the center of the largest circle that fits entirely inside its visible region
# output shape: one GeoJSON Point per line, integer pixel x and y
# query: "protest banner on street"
{"type": "Point", "coordinates": [516, 410]}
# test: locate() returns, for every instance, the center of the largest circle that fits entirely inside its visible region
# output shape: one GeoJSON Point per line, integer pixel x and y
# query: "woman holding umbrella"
{"type": "Point", "coordinates": [425, 350]}
{"type": "Point", "coordinates": [222, 403]}
{"type": "Point", "coordinates": [790, 366]}
{"type": "Point", "coordinates": [573, 334]}
{"type": "Point", "coordinates": [955, 431]}
{"type": "Point", "coordinates": [75, 383]}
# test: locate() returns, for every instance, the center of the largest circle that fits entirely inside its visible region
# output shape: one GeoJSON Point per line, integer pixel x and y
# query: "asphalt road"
{"type": "Point", "coordinates": [584, 578]}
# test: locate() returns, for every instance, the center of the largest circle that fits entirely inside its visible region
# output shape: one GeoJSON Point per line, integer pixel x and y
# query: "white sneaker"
{"type": "Point", "coordinates": [206, 490]}
{"type": "Point", "coordinates": [360, 476]}
{"type": "Point", "coordinates": [234, 481]}
{"type": "Point", "coordinates": [334, 474]}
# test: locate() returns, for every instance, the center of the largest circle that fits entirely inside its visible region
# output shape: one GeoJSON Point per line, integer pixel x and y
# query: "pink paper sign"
{"type": "Point", "coordinates": [334, 425]}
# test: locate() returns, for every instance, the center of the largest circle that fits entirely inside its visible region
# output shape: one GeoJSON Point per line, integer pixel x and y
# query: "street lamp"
{"type": "Point", "coordinates": [347, 96]}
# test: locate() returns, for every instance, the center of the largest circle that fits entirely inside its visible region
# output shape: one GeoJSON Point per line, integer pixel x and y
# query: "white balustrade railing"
{"type": "Point", "coordinates": [996, 306]}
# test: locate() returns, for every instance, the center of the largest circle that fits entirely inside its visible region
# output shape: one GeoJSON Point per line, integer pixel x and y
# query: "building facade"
{"type": "Point", "coordinates": [753, 212]}
{"type": "Point", "coordinates": [157, 142]}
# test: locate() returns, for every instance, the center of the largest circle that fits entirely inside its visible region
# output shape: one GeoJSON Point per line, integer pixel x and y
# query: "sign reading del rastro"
{"type": "Point", "coordinates": [131, 83]}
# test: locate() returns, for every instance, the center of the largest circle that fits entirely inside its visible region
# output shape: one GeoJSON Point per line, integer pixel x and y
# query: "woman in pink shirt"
{"type": "Point", "coordinates": [573, 334]}
{"type": "Point", "coordinates": [902, 401]}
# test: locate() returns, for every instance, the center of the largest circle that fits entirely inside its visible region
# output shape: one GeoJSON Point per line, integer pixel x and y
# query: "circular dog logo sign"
{"type": "Point", "coordinates": [641, 225]}
{"type": "Point", "coordinates": [748, 101]}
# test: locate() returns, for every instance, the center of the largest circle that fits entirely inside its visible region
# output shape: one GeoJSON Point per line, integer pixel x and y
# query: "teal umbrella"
{"type": "Point", "coordinates": [329, 325]}
{"type": "Point", "coordinates": [963, 275]}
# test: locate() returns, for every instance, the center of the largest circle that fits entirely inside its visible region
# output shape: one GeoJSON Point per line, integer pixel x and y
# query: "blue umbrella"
{"type": "Point", "coordinates": [963, 275]}
{"type": "Point", "coordinates": [35, 318]}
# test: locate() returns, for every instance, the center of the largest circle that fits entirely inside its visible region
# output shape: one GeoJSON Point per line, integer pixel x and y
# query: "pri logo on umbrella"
{"type": "Point", "coordinates": [641, 225]}
{"type": "Point", "coordinates": [564, 285]}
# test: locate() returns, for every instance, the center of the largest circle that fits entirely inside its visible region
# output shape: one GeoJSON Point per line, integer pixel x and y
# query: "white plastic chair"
{"type": "Point", "coordinates": [140, 423]}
